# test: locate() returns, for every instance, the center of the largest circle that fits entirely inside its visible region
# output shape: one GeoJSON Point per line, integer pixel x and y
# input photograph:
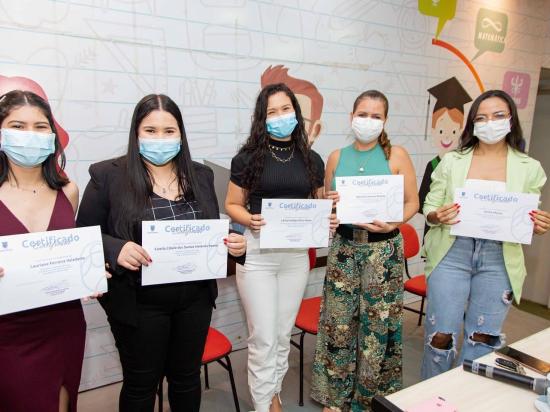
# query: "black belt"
{"type": "Point", "coordinates": [358, 235]}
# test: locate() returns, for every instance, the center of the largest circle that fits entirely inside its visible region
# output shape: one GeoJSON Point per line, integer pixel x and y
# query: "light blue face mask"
{"type": "Point", "coordinates": [159, 151]}
{"type": "Point", "coordinates": [27, 148]}
{"type": "Point", "coordinates": [281, 126]}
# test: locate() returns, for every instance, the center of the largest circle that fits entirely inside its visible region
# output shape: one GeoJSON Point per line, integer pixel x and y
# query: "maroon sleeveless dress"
{"type": "Point", "coordinates": [41, 349]}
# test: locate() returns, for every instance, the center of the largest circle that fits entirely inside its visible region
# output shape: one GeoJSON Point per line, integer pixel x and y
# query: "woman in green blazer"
{"type": "Point", "coordinates": [471, 281]}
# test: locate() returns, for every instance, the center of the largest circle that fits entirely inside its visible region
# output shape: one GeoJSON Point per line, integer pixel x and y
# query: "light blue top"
{"type": "Point", "coordinates": [353, 162]}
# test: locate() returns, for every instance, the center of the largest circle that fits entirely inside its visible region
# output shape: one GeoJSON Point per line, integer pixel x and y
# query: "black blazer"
{"type": "Point", "coordinates": [101, 204]}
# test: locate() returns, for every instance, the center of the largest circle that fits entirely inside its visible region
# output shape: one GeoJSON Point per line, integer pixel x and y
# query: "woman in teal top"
{"type": "Point", "coordinates": [471, 281]}
{"type": "Point", "coordinates": [359, 350]}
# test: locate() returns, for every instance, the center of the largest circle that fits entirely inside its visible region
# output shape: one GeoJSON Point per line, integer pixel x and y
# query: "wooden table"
{"type": "Point", "coordinates": [469, 392]}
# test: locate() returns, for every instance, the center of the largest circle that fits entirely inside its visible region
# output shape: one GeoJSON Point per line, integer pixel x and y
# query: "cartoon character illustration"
{"type": "Point", "coordinates": [309, 98]}
{"type": "Point", "coordinates": [7, 84]}
{"type": "Point", "coordinates": [447, 126]}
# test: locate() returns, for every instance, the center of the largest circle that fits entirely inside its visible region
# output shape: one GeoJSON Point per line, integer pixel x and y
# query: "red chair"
{"type": "Point", "coordinates": [307, 321]}
{"type": "Point", "coordinates": [416, 284]}
{"type": "Point", "coordinates": [216, 349]}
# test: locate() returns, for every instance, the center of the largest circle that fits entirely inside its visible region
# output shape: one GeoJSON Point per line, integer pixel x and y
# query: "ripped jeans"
{"type": "Point", "coordinates": [469, 285]}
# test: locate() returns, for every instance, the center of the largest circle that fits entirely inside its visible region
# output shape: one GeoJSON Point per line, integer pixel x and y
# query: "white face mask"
{"type": "Point", "coordinates": [366, 129]}
{"type": "Point", "coordinates": [493, 131]}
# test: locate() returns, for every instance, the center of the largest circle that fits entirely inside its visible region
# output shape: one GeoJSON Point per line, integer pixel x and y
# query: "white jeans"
{"type": "Point", "coordinates": [271, 286]}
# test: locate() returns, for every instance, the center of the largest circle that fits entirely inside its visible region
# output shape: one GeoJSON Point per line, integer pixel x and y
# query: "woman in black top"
{"type": "Point", "coordinates": [159, 330]}
{"type": "Point", "coordinates": [275, 162]}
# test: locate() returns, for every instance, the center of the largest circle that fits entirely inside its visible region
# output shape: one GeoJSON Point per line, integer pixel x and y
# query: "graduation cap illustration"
{"type": "Point", "coordinates": [449, 94]}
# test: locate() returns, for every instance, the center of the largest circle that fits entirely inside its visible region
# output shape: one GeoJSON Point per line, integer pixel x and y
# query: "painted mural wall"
{"type": "Point", "coordinates": [94, 59]}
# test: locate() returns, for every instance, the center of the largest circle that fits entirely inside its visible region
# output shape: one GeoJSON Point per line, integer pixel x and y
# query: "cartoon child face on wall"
{"type": "Point", "coordinates": [448, 114]}
{"type": "Point", "coordinates": [446, 129]}
{"type": "Point", "coordinates": [309, 98]}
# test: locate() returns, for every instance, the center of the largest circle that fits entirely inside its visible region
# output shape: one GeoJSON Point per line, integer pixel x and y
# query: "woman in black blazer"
{"type": "Point", "coordinates": [159, 330]}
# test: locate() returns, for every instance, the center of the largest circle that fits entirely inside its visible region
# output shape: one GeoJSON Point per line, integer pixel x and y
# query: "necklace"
{"type": "Point", "coordinates": [362, 159]}
{"type": "Point", "coordinates": [165, 188]}
{"type": "Point", "coordinates": [279, 159]}
{"type": "Point", "coordinates": [24, 189]}
{"type": "Point", "coordinates": [282, 149]}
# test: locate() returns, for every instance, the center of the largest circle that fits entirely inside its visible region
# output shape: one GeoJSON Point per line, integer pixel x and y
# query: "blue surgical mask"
{"type": "Point", "coordinates": [159, 151]}
{"type": "Point", "coordinates": [281, 126]}
{"type": "Point", "coordinates": [27, 148]}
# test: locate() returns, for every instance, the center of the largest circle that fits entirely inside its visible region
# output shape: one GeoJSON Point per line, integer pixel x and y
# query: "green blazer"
{"type": "Point", "coordinates": [523, 174]}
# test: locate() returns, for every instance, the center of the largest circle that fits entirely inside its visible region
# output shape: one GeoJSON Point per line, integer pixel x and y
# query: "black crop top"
{"type": "Point", "coordinates": [279, 180]}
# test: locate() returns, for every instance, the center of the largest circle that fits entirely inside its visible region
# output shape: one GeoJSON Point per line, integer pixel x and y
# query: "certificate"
{"type": "Point", "coordinates": [364, 199]}
{"type": "Point", "coordinates": [500, 216]}
{"type": "Point", "coordinates": [184, 250]}
{"type": "Point", "coordinates": [295, 223]}
{"type": "Point", "coordinates": [45, 268]}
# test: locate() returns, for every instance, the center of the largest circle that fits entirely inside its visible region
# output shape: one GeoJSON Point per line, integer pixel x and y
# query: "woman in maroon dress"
{"type": "Point", "coordinates": [41, 350]}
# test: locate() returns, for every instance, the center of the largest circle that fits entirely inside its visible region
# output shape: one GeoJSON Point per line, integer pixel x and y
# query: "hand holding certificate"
{"type": "Point", "coordinates": [45, 268]}
{"type": "Point", "coordinates": [184, 250]}
{"type": "Point", "coordinates": [295, 223]}
{"type": "Point", "coordinates": [364, 199]}
{"type": "Point", "coordinates": [495, 215]}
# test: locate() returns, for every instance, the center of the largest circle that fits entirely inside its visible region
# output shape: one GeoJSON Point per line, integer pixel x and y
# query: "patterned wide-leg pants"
{"type": "Point", "coordinates": [359, 347]}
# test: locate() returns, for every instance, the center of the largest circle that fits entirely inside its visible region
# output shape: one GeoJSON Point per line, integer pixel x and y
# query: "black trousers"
{"type": "Point", "coordinates": [169, 340]}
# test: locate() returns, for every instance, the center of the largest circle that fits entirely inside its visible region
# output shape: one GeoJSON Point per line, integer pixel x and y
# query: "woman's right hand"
{"type": "Point", "coordinates": [445, 214]}
{"type": "Point", "coordinates": [256, 223]}
{"type": "Point", "coordinates": [1, 272]}
{"type": "Point", "coordinates": [132, 256]}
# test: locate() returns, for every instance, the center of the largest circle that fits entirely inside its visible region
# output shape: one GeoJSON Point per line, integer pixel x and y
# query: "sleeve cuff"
{"type": "Point", "coordinates": [112, 248]}
{"type": "Point", "coordinates": [426, 212]}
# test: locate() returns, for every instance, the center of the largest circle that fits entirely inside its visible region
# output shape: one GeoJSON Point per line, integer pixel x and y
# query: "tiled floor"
{"type": "Point", "coordinates": [218, 398]}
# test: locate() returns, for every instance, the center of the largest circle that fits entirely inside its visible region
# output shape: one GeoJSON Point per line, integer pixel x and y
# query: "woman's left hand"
{"type": "Point", "coordinates": [378, 226]}
{"type": "Point", "coordinates": [236, 244]}
{"type": "Point", "coordinates": [541, 220]}
{"type": "Point", "coordinates": [97, 295]}
{"type": "Point", "coordinates": [334, 196]}
{"type": "Point", "coordinates": [334, 223]}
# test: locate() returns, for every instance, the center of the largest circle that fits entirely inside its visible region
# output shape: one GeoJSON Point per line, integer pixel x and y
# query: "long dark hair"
{"type": "Point", "coordinates": [257, 144]}
{"type": "Point", "coordinates": [514, 139]}
{"type": "Point", "coordinates": [136, 194]}
{"type": "Point", "coordinates": [52, 167]}
{"type": "Point", "coordinates": [383, 139]}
